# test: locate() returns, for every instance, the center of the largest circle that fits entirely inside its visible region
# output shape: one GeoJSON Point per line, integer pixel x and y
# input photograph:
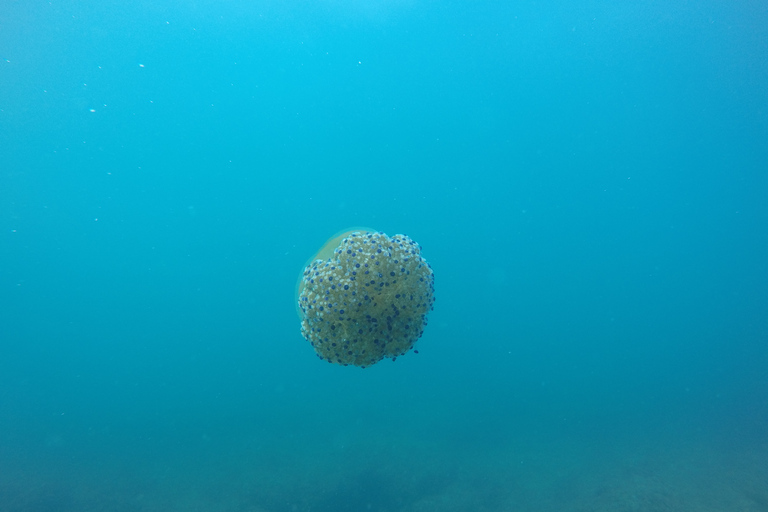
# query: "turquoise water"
{"type": "Point", "coordinates": [588, 181]}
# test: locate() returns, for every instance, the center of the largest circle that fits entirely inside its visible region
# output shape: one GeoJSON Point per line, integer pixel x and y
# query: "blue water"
{"type": "Point", "coordinates": [588, 180]}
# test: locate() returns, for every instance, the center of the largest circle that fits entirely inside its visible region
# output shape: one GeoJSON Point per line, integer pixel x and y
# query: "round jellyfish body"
{"type": "Point", "coordinates": [366, 299]}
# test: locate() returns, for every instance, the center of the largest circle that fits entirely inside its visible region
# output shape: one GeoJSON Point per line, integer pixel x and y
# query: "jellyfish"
{"type": "Point", "coordinates": [365, 297]}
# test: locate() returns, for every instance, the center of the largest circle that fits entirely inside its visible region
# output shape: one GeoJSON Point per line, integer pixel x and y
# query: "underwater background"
{"type": "Point", "coordinates": [588, 181]}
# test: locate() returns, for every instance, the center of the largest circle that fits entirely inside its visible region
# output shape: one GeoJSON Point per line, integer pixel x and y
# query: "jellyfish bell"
{"type": "Point", "coordinates": [324, 254]}
{"type": "Point", "coordinates": [364, 297]}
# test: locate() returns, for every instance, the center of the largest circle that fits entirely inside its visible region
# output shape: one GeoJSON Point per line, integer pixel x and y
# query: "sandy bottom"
{"type": "Point", "coordinates": [679, 471]}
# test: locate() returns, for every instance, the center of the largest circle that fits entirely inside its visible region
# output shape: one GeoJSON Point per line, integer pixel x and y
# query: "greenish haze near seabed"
{"type": "Point", "coordinates": [587, 180]}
